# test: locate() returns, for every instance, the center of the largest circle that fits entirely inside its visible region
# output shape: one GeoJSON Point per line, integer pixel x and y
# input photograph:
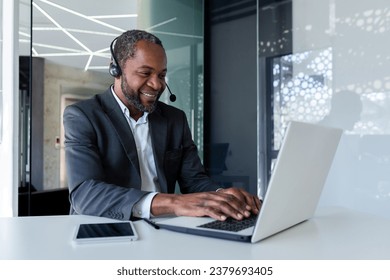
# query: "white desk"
{"type": "Point", "coordinates": [332, 234]}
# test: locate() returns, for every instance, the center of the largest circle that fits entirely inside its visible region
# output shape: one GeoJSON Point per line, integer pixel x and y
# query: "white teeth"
{"type": "Point", "coordinates": [148, 94]}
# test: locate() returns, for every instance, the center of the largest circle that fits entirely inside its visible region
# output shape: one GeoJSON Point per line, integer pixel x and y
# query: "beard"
{"type": "Point", "coordinates": [133, 98]}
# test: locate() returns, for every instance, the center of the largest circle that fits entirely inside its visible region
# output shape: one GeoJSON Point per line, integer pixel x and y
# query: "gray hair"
{"type": "Point", "coordinates": [126, 44]}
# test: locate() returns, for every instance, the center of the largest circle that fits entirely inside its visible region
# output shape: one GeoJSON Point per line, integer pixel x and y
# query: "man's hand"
{"type": "Point", "coordinates": [253, 203]}
{"type": "Point", "coordinates": [232, 202]}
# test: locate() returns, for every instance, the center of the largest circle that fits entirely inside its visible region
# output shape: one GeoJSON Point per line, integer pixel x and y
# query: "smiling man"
{"type": "Point", "coordinates": [125, 150]}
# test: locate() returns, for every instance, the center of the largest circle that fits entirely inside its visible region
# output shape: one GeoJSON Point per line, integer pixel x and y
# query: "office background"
{"type": "Point", "coordinates": [241, 70]}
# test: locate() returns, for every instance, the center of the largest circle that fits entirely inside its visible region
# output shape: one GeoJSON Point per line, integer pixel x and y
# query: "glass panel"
{"type": "Point", "coordinates": [70, 58]}
{"type": "Point", "coordinates": [24, 105]}
{"type": "Point", "coordinates": [179, 24]}
{"type": "Point", "coordinates": [337, 74]}
{"type": "Point", "coordinates": [302, 89]}
{"type": "Point", "coordinates": [231, 94]}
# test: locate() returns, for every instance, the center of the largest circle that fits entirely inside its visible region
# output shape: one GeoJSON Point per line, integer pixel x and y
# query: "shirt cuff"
{"type": "Point", "coordinates": [142, 208]}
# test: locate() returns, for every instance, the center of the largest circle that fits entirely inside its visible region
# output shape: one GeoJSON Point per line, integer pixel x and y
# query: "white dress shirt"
{"type": "Point", "coordinates": [149, 181]}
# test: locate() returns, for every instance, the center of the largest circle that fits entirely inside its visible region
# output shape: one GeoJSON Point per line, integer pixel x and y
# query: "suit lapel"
{"type": "Point", "coordinates": [158, 131]}
{"type": "Point", "coordinates": [118, 120]}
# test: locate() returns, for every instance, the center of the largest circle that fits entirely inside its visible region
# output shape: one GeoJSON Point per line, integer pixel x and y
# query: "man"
{"type": "Point", "coordinates": [125, 150]}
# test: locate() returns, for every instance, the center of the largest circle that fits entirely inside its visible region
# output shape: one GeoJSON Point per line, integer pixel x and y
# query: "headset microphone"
{"type": "Point", "coordinates": [172, 97]}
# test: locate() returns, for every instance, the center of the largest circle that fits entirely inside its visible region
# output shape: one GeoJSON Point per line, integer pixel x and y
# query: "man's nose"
{"type": "Point", "coordinates": [155, 83]}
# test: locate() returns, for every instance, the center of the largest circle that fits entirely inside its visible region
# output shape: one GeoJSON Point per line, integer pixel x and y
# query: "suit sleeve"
{"type": "Point", "coordinates": [91, 192]}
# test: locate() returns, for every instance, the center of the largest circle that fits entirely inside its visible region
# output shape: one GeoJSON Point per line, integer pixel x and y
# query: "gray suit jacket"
{"type": "Point", "coordinates": [101, 158]}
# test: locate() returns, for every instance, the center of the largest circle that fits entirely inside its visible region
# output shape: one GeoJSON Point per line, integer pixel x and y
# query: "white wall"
{"type": "Point", "coordinates": [9, 109]}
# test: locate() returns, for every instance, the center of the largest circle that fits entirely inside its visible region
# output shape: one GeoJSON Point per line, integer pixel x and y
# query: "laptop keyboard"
{"type": "Point", "coordinates": [231, 224]}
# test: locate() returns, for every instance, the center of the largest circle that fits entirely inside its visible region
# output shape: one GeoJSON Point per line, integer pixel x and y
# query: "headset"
{"type": "Point", "coordinates": [116, 71]}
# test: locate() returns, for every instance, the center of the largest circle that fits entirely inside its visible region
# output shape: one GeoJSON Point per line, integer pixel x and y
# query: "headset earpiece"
{"type": "Point", "coordinates": [114, 68]}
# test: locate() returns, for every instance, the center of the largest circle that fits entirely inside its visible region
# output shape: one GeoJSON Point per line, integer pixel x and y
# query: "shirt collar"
{"type": "Point", "coordinates": [125, 110]}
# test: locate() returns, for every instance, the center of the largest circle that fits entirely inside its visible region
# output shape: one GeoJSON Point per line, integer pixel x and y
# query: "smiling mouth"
{"type": "Point", "coordinates": [149, 95]}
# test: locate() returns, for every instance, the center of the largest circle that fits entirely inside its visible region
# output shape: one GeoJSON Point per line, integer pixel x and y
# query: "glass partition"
{"type": "Point", "coordinates": [336, 73]}
{"type": "Point", "coordinates": [70, 59]}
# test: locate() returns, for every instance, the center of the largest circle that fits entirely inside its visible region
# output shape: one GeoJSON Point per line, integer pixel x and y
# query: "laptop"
{"type": "Point", "coordinates": [293, 192]}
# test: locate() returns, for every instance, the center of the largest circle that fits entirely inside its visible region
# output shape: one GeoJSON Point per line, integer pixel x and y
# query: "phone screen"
{"type": "Point", "coordinates": [106, 231]}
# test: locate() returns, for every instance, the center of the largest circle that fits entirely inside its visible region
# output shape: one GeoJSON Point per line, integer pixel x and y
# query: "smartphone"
{"type": "Point", "coordinates": [105, 232]}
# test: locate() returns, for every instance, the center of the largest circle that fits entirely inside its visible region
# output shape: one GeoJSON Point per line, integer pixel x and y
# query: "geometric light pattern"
{"type": "Point", "coordinates": [302, 90]}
